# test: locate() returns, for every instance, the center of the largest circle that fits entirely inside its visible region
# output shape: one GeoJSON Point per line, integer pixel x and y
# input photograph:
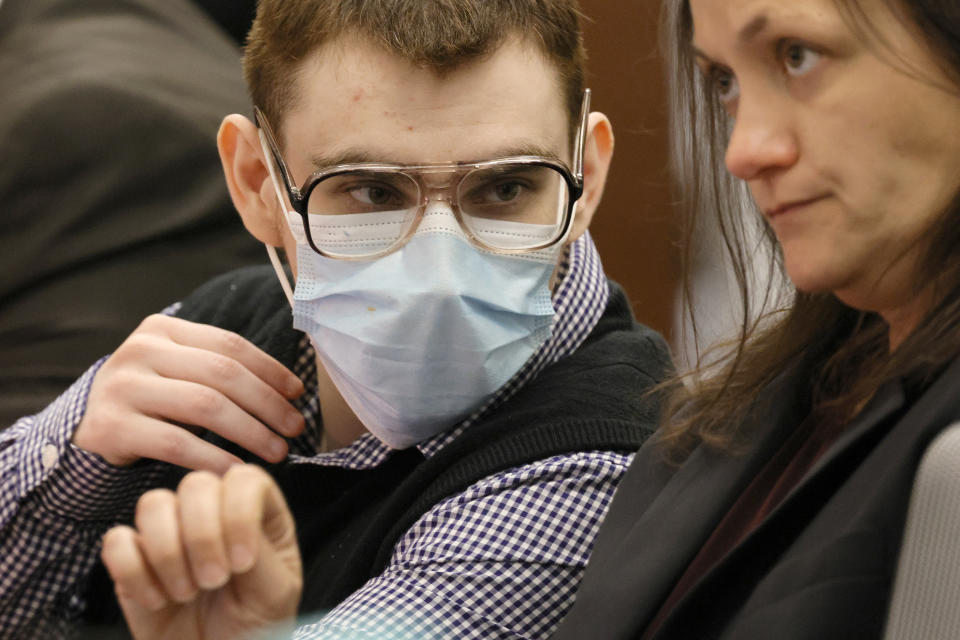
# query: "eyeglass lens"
{"type": "Point", "coordinates": [504, 206]}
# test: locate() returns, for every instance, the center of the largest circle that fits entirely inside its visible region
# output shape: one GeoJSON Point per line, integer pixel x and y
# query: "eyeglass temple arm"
{"type": "Point", "coordinates": [261, 121]}
{"type": "Point", "coordinates": [581, 137]}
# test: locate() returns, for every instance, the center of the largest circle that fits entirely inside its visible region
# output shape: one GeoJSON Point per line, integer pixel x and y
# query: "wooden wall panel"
{"type": "Point", "coordinates": [634, 227]}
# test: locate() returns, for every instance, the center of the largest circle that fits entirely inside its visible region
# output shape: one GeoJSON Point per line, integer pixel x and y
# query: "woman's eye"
{"type": "Point", "coordinates": [799, 59]}
{"type": "Point", "coordinates": [725, 85]}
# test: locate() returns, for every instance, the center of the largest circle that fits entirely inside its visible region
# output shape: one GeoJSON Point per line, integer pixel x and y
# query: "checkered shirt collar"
{"type": "Point", "coordinates": [579, 299]}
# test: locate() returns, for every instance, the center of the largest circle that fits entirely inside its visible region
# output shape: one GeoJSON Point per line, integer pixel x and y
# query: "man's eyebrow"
{"type": "Point", "coordinates": [364, 156]}
{"type": "Point", "coordinates": [522, 149]}
{"type": "Point", "coordinates": [349, 156]}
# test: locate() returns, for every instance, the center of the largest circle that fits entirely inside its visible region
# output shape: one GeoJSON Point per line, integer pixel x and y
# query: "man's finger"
{"type": "Point", "coordinates": [194, 404]}
{"type": "Point", "coordinates": [148, 437]}
{"type": "Point", "coordinates": [261, 540]}
{"type": "Point", "coordinates": [235, 381]}
{"type": "Point", "coordinates": [199, 496]}
{"type": "Point", "coordinates": [158, 522]}
{"type": "Point", "coordinates": [242, 512]}
{"type": "Point", "coordinates": [202, 336]}
{"type": "Point", "coordinates": [133, 579]}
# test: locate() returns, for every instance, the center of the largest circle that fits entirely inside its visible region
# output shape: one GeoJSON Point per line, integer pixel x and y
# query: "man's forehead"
{"type": "Point", "coordinates": [363, 104]}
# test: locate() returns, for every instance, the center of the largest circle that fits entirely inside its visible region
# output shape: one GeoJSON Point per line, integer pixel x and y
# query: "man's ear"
{"type": "Point", "coordinates": [597, 153]}
{"type": "Point", "coordinates": [248, 179]}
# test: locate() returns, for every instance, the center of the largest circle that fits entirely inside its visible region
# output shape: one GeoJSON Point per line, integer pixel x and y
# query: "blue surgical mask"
{"type": "Point", "coordinates": [418, 339]}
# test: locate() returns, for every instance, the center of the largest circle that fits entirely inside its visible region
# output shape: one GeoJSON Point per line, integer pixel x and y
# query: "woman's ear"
{"type": "Point", "coordinates": [597, 153]}
{"type": "Point", "coordinates": [248, 179]}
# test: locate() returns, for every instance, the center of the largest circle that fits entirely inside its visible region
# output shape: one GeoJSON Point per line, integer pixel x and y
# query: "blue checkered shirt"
{"type": "Point", "coordinates": [502, 559]}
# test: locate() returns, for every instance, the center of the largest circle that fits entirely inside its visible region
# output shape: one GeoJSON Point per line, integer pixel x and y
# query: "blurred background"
{"type": "Point", "coordinates": [634, 228]}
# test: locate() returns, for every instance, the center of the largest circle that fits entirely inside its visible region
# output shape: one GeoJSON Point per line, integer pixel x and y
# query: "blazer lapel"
{"type": "Point", "coordinates": [678, 510]}
{"type": "Point", "coordinates": [931, 410]}
{"type": "Point", "coordinates": [661, 517]}
{"type": "Point", "coordinates": [752, 554]}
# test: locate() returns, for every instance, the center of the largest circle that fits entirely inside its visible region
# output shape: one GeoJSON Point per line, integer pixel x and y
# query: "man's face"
{"type": "Point", "coordinates": [358, 103]}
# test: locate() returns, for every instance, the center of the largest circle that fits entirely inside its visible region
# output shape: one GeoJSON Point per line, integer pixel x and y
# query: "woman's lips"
{"type": "Point", "coordinates": [790, 206]}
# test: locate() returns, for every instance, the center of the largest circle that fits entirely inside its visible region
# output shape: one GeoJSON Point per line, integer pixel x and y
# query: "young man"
{"type": "Point", "coordinates": [465, 389]}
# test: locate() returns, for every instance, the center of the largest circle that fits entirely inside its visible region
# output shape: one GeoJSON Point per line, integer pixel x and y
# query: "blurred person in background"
{"type": "Point", "coordinates": [113, 201]}
{"type": "Point", "coordinates": [772, 501]}
{"type": "Point", "coordinates": [235, 16]}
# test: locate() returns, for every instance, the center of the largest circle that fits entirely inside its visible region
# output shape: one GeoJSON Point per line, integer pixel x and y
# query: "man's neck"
{"type": "Point", "coordinates": [341, 426]}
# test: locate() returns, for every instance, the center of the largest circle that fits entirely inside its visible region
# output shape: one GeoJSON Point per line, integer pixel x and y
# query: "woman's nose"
{"type": "Point", "coordinates": [763, 139]}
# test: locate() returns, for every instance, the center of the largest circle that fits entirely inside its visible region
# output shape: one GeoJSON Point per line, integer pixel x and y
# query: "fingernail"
{"type": "Point", "coordinates": [295, 388]}
{"type": "Point", "coordinates": [183, 590]}
{"type": "Point", "coordinates": [211, 576]}
{"type": "Point", "coordinates": [241, 557]}
{"type": "Point", "coordinates": [294, 423]}
{"type": "Point", "coordinates": [154, 599]}
{"type": "Point", "coordinates": [278, 449]}
{"type": "Point", "coordinates": [121, 591]}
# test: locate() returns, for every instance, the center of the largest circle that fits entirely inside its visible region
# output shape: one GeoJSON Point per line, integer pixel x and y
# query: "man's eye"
{"type": "Point", "coordinates": [799, 59]}
{"type": "Point", "coordinates": [500, 192]}
{"type": "Point", "coordinates": [504, 192]}
{"type": "Point", "coordinates": [375, 195]}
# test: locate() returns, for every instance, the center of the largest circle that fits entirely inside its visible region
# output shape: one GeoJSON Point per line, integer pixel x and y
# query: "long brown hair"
{"type": "Point", "coordinates": [845, 350]}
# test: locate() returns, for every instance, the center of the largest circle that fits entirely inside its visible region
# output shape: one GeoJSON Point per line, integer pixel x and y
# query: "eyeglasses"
{"type": "Point", "coordinates": [510, 205]}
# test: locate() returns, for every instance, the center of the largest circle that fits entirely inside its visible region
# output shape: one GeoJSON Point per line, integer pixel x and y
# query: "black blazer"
{"type": "Point", "coordinates": [821, 565]}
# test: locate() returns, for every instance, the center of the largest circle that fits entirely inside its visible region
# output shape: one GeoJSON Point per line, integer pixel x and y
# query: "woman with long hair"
{"type": "Point", "coordinates": [772, 501]}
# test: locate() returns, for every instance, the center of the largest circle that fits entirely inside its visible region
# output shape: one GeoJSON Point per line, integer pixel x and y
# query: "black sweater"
{"type": "Point", "coordinates": [348, 520]}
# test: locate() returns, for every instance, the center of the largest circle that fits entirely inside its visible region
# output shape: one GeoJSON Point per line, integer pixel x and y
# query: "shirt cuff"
{"type": "Point", "coordinates": [71, 482]}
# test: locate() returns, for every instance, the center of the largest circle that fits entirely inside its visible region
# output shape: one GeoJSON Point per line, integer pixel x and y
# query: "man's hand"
{"type": "Point", "coordinates": [216, 559]}
{"type": "Point", "coordinates": [172, 372]}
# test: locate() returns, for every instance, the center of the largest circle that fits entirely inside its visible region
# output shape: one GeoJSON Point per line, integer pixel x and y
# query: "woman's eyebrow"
{"type": "Point", "coordinates": [745, 34]}
{"type": "Point", "coordinates": [753, 28]}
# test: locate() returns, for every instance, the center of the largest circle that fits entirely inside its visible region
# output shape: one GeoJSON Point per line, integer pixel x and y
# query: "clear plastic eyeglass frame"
{"type": "Point", "coordinates": [299, 197]}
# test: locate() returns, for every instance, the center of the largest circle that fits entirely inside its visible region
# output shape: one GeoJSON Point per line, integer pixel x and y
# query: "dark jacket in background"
{"type": "Point", "coordinates": [112, 200]}
{"type": "Point", "coordinates": [235, 16]}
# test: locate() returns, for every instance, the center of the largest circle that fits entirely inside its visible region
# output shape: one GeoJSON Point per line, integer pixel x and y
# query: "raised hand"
{"type": "Point", "coordinates": [217, 559]}
{"type": "Point", "coordinates": [171, 372]}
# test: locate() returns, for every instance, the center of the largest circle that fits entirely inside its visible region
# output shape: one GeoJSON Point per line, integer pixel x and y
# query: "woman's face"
{"type": "Point", "coordinates": [850, 148]}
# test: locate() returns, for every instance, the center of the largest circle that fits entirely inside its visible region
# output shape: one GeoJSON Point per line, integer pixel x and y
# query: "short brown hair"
{"type": "Point", "coordinates": [439, 35]}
